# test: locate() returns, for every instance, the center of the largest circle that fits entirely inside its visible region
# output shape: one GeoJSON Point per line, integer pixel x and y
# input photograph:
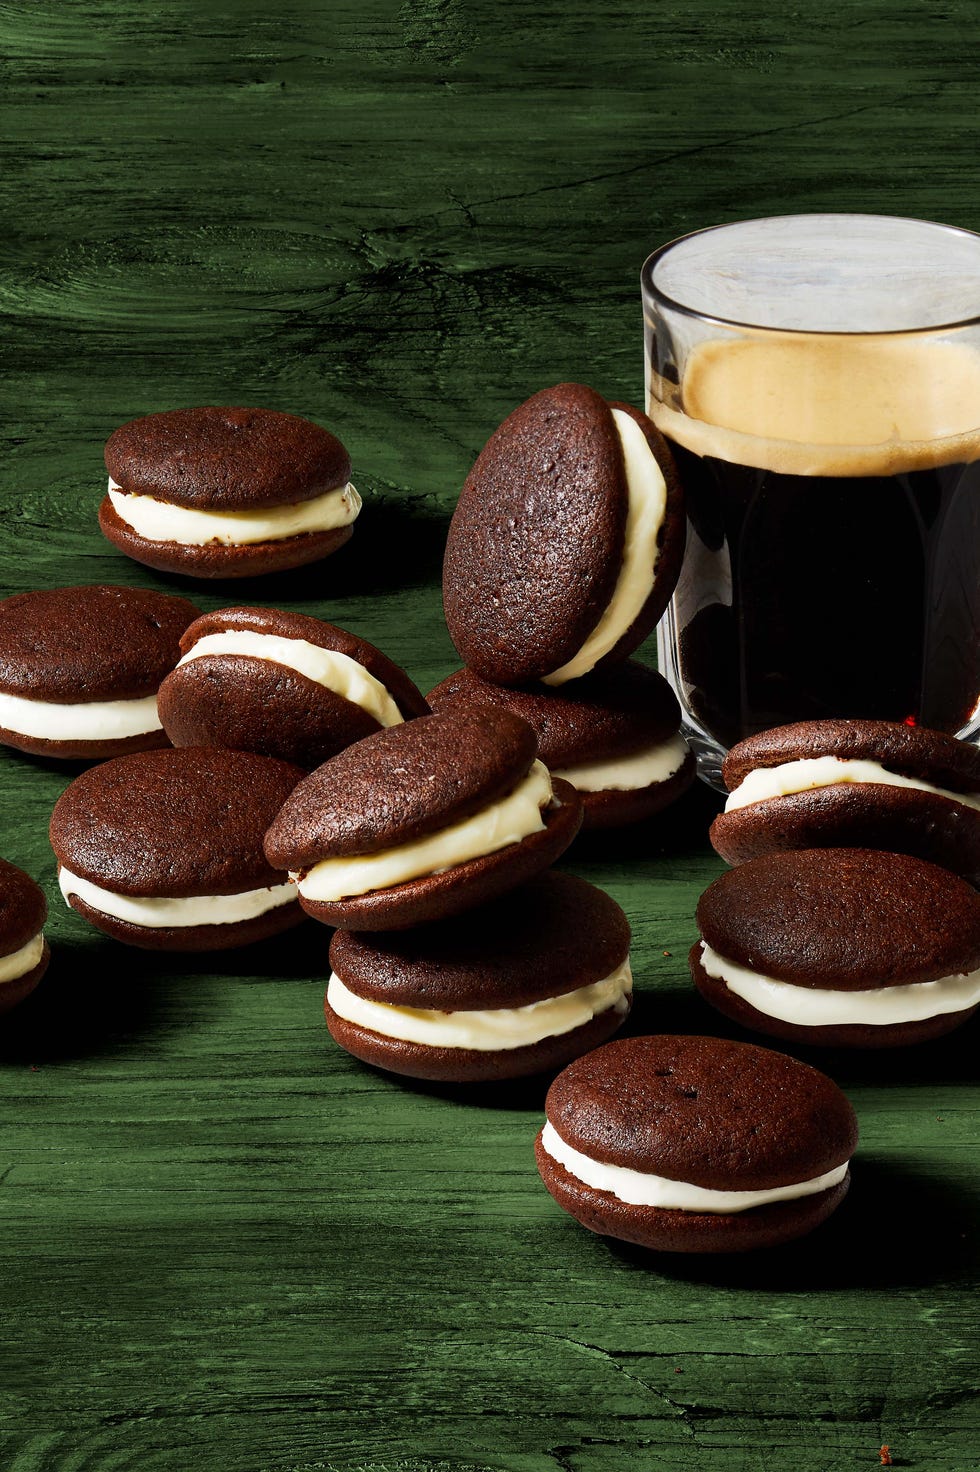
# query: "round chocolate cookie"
{"type": "Point", "coordinates": [80, 668]}
{"type": "Point", "coordinates": [691, 1144]}
{"type": "Point", "coordinates": [863, 784]}
{"type": "Point", "coordinates": [423, 820]}
{"type": "Point", "coordinates": [513, 988]}
{"type": "Point", "coordinates": [226, 493]}
{"type": "Point", "coordinates": [24, 953]}
{"type": "Point", "coordinates": [281, 684]}
{"type": "Point", "coordinates": [614, 735]}
{"type": "Point", "coordinates": [567, 540]}
{"type": "Point", "coordinates": [164, 849]}
{"type": "Point", "coordinates": [844, 947]}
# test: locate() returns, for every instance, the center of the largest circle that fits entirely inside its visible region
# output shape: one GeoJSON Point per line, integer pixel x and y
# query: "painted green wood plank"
{"type": "Point", "coordinates": [223, 1243]}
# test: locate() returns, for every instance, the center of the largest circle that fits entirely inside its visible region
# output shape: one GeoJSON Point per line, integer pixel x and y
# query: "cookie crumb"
{"type": "Point", "coordinates": [666, 953]}
{"type": "Point", "coordinates": [885, 1456]}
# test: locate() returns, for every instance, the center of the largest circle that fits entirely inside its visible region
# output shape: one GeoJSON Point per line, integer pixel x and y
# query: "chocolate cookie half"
{"type": "Point", "coordinates": [844, 947]}
{"type": "Point", "coordinates": [226, 493]}
{"type": "Point", "coordinates": [282, 684]}
{"type": "Point", "coordinates": [80, 668]}
{"type": "Point", "coordinates": [164, 849]}
{"type": "Point", "coordinates": [692, 1144]}
{"type": "Point", "coordinates": [423, 820]}
{"type": "Point", "coordinates": [567, 540]}
{"type": "Point", "coordinates": [614, 735]}
{"type": "Point", "coordinates": [512, 988]}
{"type": "Point", "coordinates": [866, 784]}
{"type": "Point", "coordinates": [24, 952]}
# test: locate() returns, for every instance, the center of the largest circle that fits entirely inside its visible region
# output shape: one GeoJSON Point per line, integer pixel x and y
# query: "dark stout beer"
{"type": "Point", "coordinates": [833, 566]}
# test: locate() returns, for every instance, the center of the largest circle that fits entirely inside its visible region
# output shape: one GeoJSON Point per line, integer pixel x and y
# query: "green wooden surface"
{"type": "Point", "coordinates": [223, 1243]}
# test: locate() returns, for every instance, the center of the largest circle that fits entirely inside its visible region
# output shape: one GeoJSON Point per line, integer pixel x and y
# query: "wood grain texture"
{"type": "Point", "coordinates": [224, 1244]}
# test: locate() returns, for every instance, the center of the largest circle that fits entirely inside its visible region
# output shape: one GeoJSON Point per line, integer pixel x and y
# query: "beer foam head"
{"type": "Point", "coordinates": [819, 344]}
{"type": "Point", "coordinates": [840, 404]}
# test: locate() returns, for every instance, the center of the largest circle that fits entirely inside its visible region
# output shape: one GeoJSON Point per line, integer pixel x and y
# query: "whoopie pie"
{"type": "Point", "coordinates": [163, 849]}
{"type": "Point", "coordinates": [24, 952]}
{"type": "Point", "coordinates": [80, 668]}
{"type": "Point", "coordinates": [696, 1144]}
{"type": "Point", "coordinates": [226, 493]}
{"type": "Point", "coordinates": [282, 684]}
{"type": "Point", "coordinates": [844, 947]}
{"type": "Point", "coordinates": [567, 540]}
{"type": "Point", "coordinates": [511, 988]}
{"type": "Point", "coordinates": [614, 735]}
{"type": "Point", "coordinates": [423, 820]}
{"type": "Point", "coordinates": [862, 784]}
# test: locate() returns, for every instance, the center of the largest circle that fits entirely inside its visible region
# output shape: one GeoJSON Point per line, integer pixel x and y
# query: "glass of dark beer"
{"type": "Point", "coordinates": [818, 377]}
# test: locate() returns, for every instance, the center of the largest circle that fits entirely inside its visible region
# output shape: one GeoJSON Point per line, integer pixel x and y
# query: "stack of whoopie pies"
{"type": "Point", "coordinates": [851, 918]}
{"type": "Point", "coordinates": [562, 554]}
{"type": "Point", "coordinates": [406, 830]}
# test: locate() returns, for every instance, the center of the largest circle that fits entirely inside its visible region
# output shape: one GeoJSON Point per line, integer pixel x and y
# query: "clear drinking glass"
{"type": "Point", "coordinates": [818, 377]}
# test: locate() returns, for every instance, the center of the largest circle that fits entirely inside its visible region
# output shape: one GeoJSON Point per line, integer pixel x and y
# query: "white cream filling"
{"type": "Point", "coordinates": [89, 720]}
{"type": "Point", "coordinates": [638, 1188]}
{"type": "Point", "coordinates": [628, 773]}
{"type": "Point", "coordinates": [327, 667]}
{"type": "Point", "coordinates": [647, 492]}
{"type": "Point", "coordinates": [495, 827]}
{"type": "Point", "coordinates": [18, 963]}
{"type": "Point", "coordinates": [489, 1030]}
{"type": "Point", "coordinates": [161, 914]}
{"type": "Point", "coordinates": [812, 1007]}
{"type": "Point", "coordinates": [163, 521]}
{"type": "Point", "coordinates": [827, 771]}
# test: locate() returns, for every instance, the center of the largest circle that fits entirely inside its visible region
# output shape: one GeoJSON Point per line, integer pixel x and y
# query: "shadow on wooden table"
{"type": "Point", "coordinates": [92, 999]}
{"type": "Point", "coordinates": [947, 1060]}
{"type": "Point", "coordinates": [897, 1227]}
{"type": "Point", "coordinates": [681, 828]}
{"type": "Point", "coordinates": [395, 544]}
{"type": "Point", "coordinates": [508, 1094]}
{"type": "Point", "coordinates": [99, 998]}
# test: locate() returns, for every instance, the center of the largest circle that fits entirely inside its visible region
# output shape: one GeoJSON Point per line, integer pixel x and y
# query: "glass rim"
{"type": "Point", "coordinates": [652, 291]}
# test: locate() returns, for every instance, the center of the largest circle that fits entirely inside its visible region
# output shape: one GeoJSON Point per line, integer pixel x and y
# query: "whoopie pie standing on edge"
{"type": "Point", "coordinates": [853, 784]}
{"type": "Point", "coordinates": [282, 684]}
{"type": "Point", "coordinates": [24, 952]}
{"type": "Point", "coordinates": [695, 1144]}
{"type": "Point", "coordinates": [422, 821]}
{"type": "Point", "coordinates": [567, 540]}
{"type": "Point", "coordinates": [614, 735]}
{"type": "Point", "coordinates": [840, 947]}
{"type": "Point", "coordinates": [226, 493]}
{"type": "Point", "coordinates": [164, 849]}
{"type": "Point", "coordinates": [80, 669]}
{"type": "Point", "coordinates": [512, 988]}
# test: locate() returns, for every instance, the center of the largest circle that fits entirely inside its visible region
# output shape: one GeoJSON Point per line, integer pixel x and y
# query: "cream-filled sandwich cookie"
{"type": "Point", "coordinates": [24, 953]}
{"type": "Point", "coordinates": [164, 849]}
{"type": "Point", "coordinates": [840, 947]}
{"type": "Point", "coordinates": [567, 540]}
{"type": "Point", "coordinates": [282, 684]}
{"type": "Point", "coordinates": [226, 493]}
{"type": "Point", "coordinates": [696, 1144]}
{"type": "Point", "coordinates": [423, 820]}
{"type": "Point", "coordinates": [512, 988]}
{"type": "Point", "coordinates": [80, 669]}
{"type": "Point", "coordinates": [614, 735]}
{"type": "Point", "coordinates": [853, 783]}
